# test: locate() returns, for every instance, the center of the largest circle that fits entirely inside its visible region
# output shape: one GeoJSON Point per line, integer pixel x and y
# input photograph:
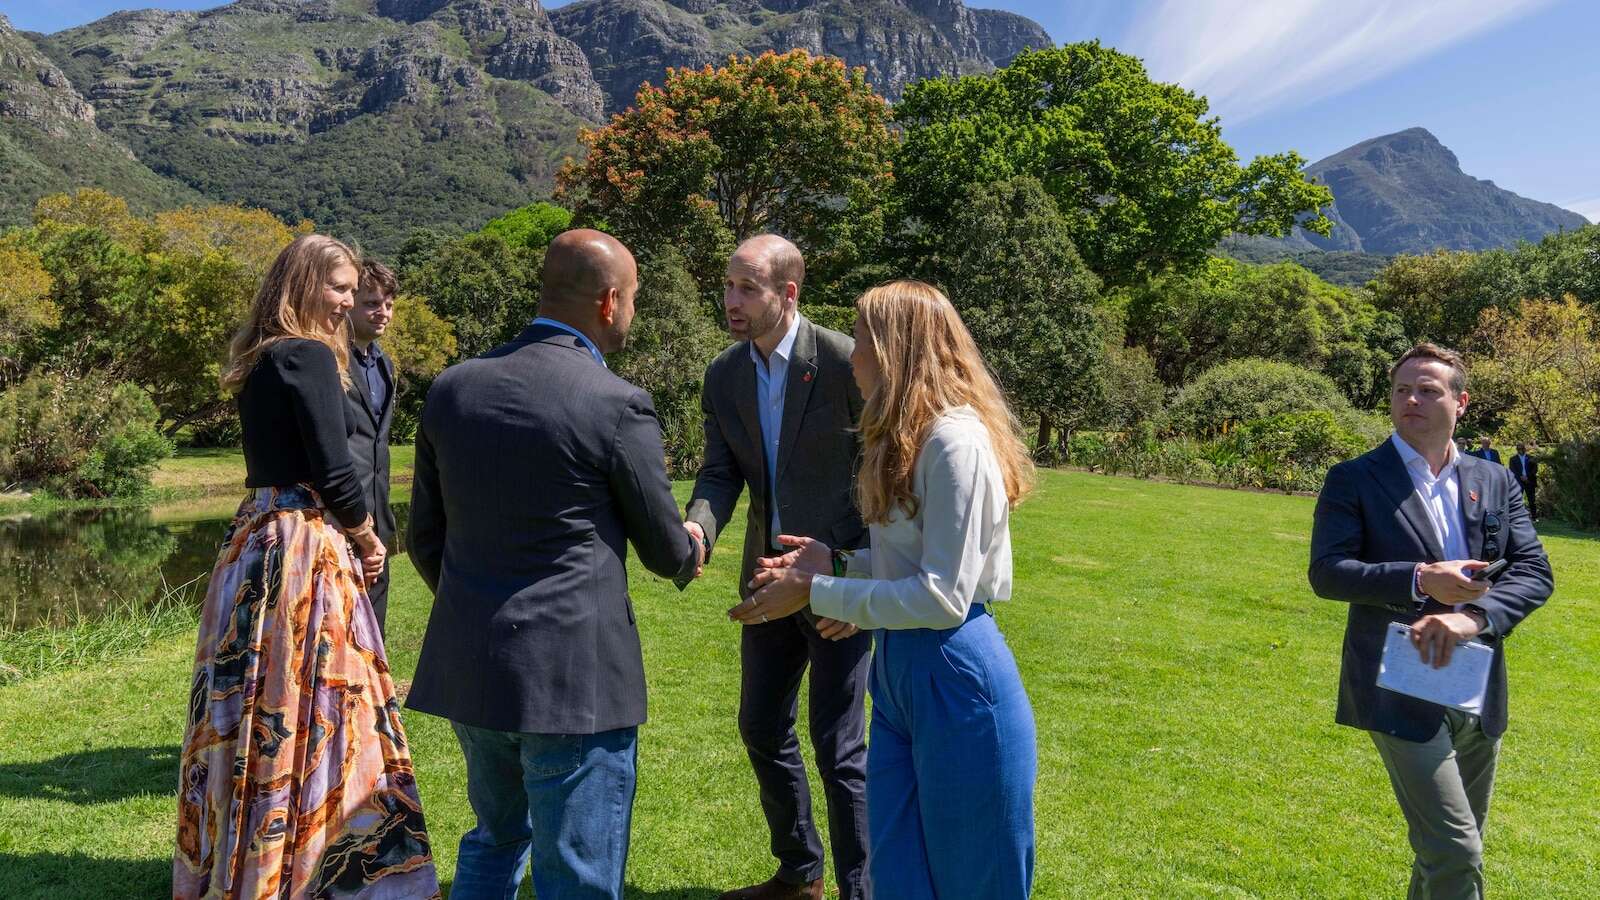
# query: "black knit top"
{"type": "Point", "coordinates": [292, 409]}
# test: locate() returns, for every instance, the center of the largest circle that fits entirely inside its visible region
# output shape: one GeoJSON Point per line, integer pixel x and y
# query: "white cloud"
{"type": "Point", "coordinates": [1252, 56]}
{"type": "Point", "coordinates": [1589, 209]}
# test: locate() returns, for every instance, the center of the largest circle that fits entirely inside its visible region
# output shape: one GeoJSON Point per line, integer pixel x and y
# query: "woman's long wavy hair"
{"type": "Point", "coordinates": [289, 305]}
{"type": "Point", "coordinates": [927, 364]}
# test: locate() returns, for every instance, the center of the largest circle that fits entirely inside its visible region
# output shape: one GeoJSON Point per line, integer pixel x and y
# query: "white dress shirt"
{"type": "Point", "coordinates": [1441, 497]}
{"type": "Point", "coordinates": [927, 570]}
{"type": "Point", "coordinates": [772, 376]}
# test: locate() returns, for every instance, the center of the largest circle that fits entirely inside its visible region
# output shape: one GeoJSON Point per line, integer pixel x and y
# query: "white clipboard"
{"type": "Point", "coordinates": [1459, 685]}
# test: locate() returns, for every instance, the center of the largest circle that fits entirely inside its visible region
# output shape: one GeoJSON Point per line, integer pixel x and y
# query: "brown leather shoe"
{"type": "Point", "coordinates": [774, 889]}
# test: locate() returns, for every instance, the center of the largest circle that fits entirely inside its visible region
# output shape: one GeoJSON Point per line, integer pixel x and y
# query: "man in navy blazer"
{"type": "Point", "coordinates": [535, 468]}
{"type": "Point", "coordinates": [1486, 451]}
{"type": "Point", "coordinates": [1398, 534]}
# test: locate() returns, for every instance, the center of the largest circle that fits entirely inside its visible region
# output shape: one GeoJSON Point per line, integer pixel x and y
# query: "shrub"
{"type": "Point", "coordinates": [836, 318]}
{"type": "Point", "coordinates": [1290, 451]}
{"type": "Point", "coordinates": [80, 437]}
{"type": "Point", "coordinates": [1574, 483]}
{"type": "Point", "coordinates": [1243, 390]}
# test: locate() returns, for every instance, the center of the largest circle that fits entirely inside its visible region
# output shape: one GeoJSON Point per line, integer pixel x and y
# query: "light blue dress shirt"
{"type": "Point", "coordinates": [575, 332]}
{"type": "Point", "coordinates": [771, 377]}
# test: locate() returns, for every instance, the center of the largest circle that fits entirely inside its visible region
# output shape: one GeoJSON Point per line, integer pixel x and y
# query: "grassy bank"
{"type": "Point", "coordinates": [196, 474]}
{"type": "Point", "coordinates": [1181, 672]}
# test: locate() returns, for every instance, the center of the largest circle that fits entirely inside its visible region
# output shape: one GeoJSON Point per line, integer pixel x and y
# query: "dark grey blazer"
{"type": "Point", "coordinates": [1370, 531]}
{"type": "Point", "coordinates": [818, 447]}
{"type": "Point", "coordinates": [369, 444]}
{"type": "Point", "coordinates": [535, 468]}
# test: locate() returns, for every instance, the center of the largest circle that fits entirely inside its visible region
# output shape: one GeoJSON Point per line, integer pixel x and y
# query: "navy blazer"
{"type": "Point", "coordinates": [1370, 530]}
{"type": "Point", "coordinates": [535, 467]}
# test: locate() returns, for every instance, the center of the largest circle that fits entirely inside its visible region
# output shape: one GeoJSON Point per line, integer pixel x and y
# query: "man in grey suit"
{"type": "Point", "coordinates": [1398, 534]}
{"type": "Point", "coordinates": [535, 467]}
{"type": "Point", "coordinates": [780, 408]}
{"type": "Point", "coordinates": [369, 402]}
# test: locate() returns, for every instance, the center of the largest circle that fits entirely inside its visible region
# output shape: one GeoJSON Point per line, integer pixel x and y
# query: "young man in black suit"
{"type": "Point", "coordinates": [370, 408]}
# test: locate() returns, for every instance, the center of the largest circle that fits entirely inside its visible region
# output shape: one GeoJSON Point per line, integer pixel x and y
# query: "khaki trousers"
{"type": "Point", "coordinates": [1443, 785]}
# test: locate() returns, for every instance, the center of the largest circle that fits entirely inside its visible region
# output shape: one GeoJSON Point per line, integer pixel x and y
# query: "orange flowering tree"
{"type": "Point", "coordinates": [788, 143]}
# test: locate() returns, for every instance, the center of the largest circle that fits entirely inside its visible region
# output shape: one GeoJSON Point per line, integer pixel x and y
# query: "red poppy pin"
{"type": "Point", "coordinates": [1473, 496]}
{"type": "Point", "coordinates": [807, 378]}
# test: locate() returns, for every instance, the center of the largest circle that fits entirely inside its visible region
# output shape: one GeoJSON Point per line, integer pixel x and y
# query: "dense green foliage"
{"type": "Point", "coordinates": [1028, 300]}
{"type": "Point", "coordinates": [1244, 390]}
{"type": "Point", "coordinates": [1138, 169]}
{"type": "Point", "coordinates": [1230, 310]}
{"type": "Point", "coordinates": [79, 436]}
{"type": "Point", "coordinates": [1573, 483]}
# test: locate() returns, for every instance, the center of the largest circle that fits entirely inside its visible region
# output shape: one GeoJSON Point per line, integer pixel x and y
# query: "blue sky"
{"type": "Point", "coordinates": [1509, 85]}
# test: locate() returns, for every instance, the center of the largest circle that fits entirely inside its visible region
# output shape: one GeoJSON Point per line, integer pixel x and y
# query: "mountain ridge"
{"type": "Point", "coordinates": [1405, 192]}
{"type": "Point", "coordinates": [374, 116]}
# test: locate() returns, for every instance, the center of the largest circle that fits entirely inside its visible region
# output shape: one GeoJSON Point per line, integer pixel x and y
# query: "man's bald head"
{"type": "Point", "coordinates": [582, 264]}
{"type": "Point", "coordinates": [778, 256]}
{"type": "Point", "coordinates": [588, 282]}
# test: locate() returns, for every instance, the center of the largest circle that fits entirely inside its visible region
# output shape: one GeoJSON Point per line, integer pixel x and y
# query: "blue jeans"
{"type": "Point", "coordinates": [950, 766]}
{"type": "Point", "coordinates": [564, 799]}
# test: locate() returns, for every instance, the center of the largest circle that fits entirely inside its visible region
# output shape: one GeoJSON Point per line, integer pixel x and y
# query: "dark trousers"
{"type": "Point", "coordinates": [1530, 492]}
{"type": "Point", "coordinates": [774, 656]}
{"type": "Point", "coordinates": [378, 593]}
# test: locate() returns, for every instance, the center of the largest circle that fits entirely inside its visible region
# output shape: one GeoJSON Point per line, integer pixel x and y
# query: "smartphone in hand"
{"type": "Point", "coordinates": [1488, 573]}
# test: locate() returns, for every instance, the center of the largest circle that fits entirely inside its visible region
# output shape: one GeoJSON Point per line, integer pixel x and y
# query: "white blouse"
{"type": "Point", "coordinates": [926, 571]}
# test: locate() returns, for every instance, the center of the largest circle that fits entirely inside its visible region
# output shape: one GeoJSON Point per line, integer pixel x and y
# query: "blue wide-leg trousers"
{"type": "Point", "coordinates": [951, 763]}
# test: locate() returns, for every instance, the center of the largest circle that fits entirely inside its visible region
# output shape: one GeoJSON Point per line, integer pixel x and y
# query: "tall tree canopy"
{"type": "Point", "coordinates": [791, 143]}
{"type": "Point", "coordinates": [1138, 170]}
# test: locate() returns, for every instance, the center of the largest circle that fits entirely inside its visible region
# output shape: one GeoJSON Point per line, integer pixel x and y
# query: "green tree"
{"type": "Point", "coordinates": [485, 288]}
{"type": "Point", "coordinates": [1027, 298]}
{"type": "Point", "coordinates": [1440, 295]}
{"type": "Point", "coordinates": [1139, 172]}
{"type": "Point", "coordinates": [671, 342]}
{"type": "Point", "coordinates": [1190, 322]}
{"type": "Point", "coordinates": [420, 343]}
{"type": "Point", "coordinates": [25, 305]}
{"type": "Point", "coordinates": [1537, 374]}
{"type": "Point", "coordinates": [532, 226]}
{"type": "Point", "coordinates": [789, 143]}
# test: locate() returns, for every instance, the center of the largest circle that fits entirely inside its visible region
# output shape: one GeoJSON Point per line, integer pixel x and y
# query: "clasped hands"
{"type": "Point", "coordinates": [1450, 582]}
{"type": "Point", "coordinates": [370, 549]}
{"type": "Point", "coordinates": [782, 586]}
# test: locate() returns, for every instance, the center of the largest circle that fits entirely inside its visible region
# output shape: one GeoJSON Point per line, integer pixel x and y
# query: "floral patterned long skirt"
{"type": "Point", "coordinates": [296, 779]}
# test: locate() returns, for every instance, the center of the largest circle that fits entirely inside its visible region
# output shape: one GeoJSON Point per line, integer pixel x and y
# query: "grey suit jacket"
{"type": "Point", "coordinates": [818, 448]}
{"type": "Point", "coordinates": [1369, 532]}
{"type": "Point", "coordinates": [535, 468]}
{"type": "Point", "coordinates": [369, 445]}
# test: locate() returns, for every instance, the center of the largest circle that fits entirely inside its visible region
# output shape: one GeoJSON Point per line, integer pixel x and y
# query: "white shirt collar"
{"type": "Point", "coordinates": [1415, 460]}
{"type": "Point", "coordinates": [785, 346]}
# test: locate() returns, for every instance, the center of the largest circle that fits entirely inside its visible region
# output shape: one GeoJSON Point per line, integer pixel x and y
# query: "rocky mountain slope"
{"type": "Point", "coordinates": [49, 139]}
{"type": "Point", "coordinates": [372, 117]}
{"type": "Point", "coordinates": [1405, 193]}
{"type": "Point", "coordinates": [897, 41]}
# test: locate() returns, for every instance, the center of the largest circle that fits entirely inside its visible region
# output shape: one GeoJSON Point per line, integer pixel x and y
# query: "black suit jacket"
{"type": "Point", "coordinates": [1491, 454]}
{"type": "Point", "coordinates": [369, 444]}
{"type": "Point", "coordinates": [1369, 533]}
{"type": "Point", "coordinates": [818, 448]}
{"type": "Point", "coordinates": [535, 468]}
{"type": "Point", "coordinates": [1516, 466]}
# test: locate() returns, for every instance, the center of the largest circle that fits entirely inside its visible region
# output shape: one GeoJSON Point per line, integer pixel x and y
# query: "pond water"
{"type": "Point", "coordinates": [68, 567]}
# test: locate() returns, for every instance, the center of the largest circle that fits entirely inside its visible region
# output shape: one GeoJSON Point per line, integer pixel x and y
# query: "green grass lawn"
{"type": "Point", "coordinates": [1181, 672]}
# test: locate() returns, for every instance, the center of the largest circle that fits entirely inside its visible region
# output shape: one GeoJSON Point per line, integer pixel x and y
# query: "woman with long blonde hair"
{"type": "Point", "coordinates": [296, 779]}
{"type": "Point", "coordinates": [951, 759]}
